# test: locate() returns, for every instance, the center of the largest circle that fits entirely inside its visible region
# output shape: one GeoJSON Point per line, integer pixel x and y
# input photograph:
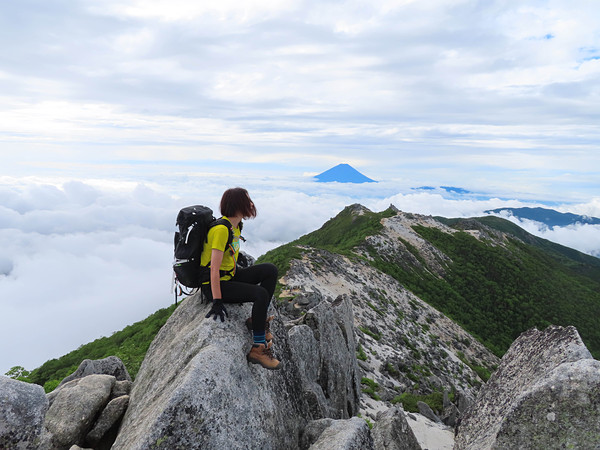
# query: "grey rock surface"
{"type": "Point", "coordinates": [195, 388]}
{"type": "Point", "coordinates": [22, 410]}
{"type": "Point", "coordinates": [121, 388]}
{"type": "Point", "coordinates": [545, 394]}
{"type": "Point", "coordinates": [345, 434]}
{"type": "Point", "coordinates": [75, 408]}
{"type": "Point", "coordinates": [464, 402]}
{"type": "Point", "coordinates": [392, 431]}
{"type": "Point", "coordinates": [113, 412]}
{"type": "Point", "coordinates": [562, 411]}
{"type": "Point", "coordinates": [312, 431]}
{"type": "Point", "coordinates": [107, 366]}
{"type": "Point", "coordinates": [324, 350]}
{"type": "Point", "coordinates": [425, 410]}
{"type": "Point", "coordinates": [450, 415]}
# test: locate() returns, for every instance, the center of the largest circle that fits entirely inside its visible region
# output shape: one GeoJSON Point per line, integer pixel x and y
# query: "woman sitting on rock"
{"type": "Point", "coordinates": [230, 283]}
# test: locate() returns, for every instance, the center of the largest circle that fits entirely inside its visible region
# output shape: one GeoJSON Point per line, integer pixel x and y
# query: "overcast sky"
{"type": "Point", "coordinates": [496, 94]}
{"type": "Point", "coordinates": [114, 114]}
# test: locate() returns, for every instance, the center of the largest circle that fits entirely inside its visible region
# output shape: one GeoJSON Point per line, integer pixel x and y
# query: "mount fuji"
{"type": "Point", "coordinates": [343, 173]}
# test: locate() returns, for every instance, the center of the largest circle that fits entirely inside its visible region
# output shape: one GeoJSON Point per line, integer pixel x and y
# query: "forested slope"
{"type": "Point", "coordinates": [497, 280]}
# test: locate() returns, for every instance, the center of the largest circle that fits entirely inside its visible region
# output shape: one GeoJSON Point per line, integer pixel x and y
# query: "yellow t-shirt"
{"type": "Point", "coordinates": [217, 239]}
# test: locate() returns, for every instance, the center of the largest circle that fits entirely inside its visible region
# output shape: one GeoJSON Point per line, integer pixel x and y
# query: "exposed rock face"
{"type": "Point", "coordinates": [545, 394]}
{"type": "Point", "coordinates": [115, 409]}
{"type": "Point", "coordinates": [195, 388]}
{"type": "Point", "coordinates": [312, 431]}
{"type": "Point", "coordinates": [425, 410]}
{"type": "Point", "coordinates": [22, 410]}
{"type": "Point", "coordinates": [392, 431]}
{"type": "Point", "coordinates": [107, 366]}
{"type": "Point", "coordinates": [86, 410]}
{"type": "Point", "coordinates": [75, 408]}
{"type": "Point", "coordinates": [348, 434]}
{"type": "Point", "coordinates": [431, 435]}
{"type": "Point", "coordinates": [323, 351]}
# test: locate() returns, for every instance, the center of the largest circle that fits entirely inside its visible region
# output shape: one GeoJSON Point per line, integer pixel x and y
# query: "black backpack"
{"type": "Point", "coordinates": [194, 223]}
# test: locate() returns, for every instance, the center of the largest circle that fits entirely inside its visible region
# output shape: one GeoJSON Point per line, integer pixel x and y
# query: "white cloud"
{"type": "Point", "coordinates": [182, 11]}
{"type": "Point", "coordinates": [582, 237]}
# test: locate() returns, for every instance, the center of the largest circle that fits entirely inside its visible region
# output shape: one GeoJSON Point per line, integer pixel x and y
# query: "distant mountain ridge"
{"type": "Point", "coordinates": [448, 189]}
{"type": "Point", "coordinates": [343, 173]}
{"type": "Point", "coordinates": [549, 217]}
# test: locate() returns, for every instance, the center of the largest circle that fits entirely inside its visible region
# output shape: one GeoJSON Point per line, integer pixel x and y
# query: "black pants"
{"type": "Point", "coordinates": [254, 284]}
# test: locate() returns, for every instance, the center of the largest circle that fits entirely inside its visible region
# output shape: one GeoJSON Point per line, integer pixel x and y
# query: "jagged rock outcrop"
{"type": "Point", "coordinates": [195, 388]}
{"type": "Point", "coordinates": [322, 347]}
{"type": "Point", "coordinates": [347, 434]}
{"type": "Point", "coordinates": [86, 411]}
{"type": "Point", "coordinates": [112, 413]}
{"type": "Point", "coordinates": [22, 410]}
{"type": "Point", "coordinates": [75, 407]}
{"type": "Point", "coordinates": [425, 410]}
{"type": "Point", "coordinates": [392, 431]}
{"type": "Point", "coordinates": [545, 394]}
{"type": "Point", "coordinates": [107, 366]}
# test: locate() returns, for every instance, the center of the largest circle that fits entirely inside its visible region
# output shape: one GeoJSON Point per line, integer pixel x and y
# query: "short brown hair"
{"type": "Point", "coordinates": [237, 201]}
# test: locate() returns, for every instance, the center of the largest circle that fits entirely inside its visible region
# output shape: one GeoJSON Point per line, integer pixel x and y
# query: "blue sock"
{"type": "Point", "coordinates": [259, 338]}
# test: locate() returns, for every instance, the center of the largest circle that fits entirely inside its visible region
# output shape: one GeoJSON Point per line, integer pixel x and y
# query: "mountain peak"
{"type": "Point", "coordinates": [343, 173]}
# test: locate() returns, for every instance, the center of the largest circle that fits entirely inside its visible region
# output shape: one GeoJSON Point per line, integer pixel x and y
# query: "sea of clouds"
{"type": "Point", "coordinates": [82, 259]}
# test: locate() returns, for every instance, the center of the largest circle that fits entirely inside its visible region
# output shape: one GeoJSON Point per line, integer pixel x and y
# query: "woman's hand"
{"type": "Point", "coordinates": [218, 309]}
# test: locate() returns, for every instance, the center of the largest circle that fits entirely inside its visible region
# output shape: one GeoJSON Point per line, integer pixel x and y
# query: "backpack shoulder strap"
{"type": "Point", "coordinates": [227, 223]}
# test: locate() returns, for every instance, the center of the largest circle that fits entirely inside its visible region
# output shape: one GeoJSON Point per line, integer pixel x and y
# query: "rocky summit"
{"type": "Point", "coordinates": [366, 362]}
{"type": "Point", "coordinates": [196, 390]}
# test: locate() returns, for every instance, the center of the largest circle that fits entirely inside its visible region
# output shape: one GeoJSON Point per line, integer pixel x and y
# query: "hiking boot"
{"type": "Point", "coordinates": [268, 335]}
{"type": "Point", "coordinates": [263, 354]}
